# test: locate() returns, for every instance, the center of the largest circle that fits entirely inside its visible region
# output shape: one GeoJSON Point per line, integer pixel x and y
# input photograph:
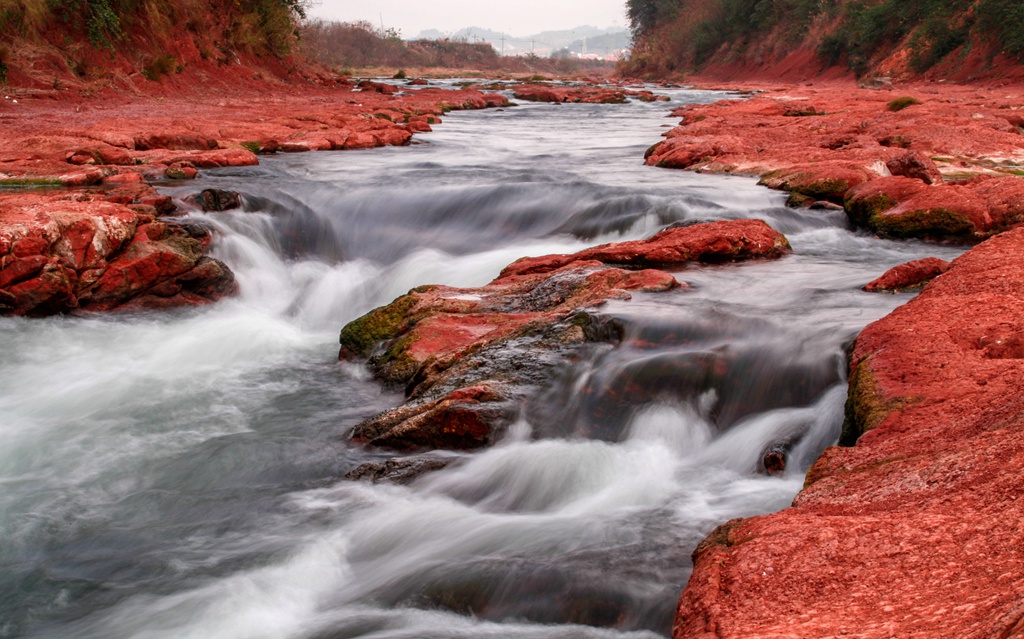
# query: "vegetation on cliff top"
{"type": "Point", "coordinates": [251, 26]}
{"type": "Point", "coordinates": [684, 35]}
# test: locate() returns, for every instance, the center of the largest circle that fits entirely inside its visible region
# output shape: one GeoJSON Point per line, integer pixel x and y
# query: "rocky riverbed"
{"type": "Point", "coordinates": [909, 528]}
{"type": "Point", "coordinates": [725, 375]}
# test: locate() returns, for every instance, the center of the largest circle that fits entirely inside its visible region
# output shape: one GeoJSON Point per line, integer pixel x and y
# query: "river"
{"type": "Point", "coordinates": [180, 474]}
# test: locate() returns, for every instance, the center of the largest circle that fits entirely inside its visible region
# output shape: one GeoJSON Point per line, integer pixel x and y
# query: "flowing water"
{"type": "Point", "coordinates": [180, 474]}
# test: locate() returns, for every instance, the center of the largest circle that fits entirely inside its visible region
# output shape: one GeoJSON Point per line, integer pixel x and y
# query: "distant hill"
{"type": "Point", "coordinates": [958, 39]}
{"type": "Point", "coordinates": [542, 44]}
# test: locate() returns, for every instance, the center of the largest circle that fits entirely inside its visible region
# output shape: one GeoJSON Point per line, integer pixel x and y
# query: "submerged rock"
{"type": "Point", "coordinates": [398, 470]}
{"type": "Point", "coordinates": [467, 357]}
{"type": "Point", "coordinates": [216, 200]}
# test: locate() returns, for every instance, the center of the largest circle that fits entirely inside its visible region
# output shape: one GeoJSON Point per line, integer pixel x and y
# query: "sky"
{"type": "Point", "coordinates": [515, 17]}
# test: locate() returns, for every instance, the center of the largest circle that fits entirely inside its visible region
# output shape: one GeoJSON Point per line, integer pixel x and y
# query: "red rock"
{"type": "Point", "coordinates": [201, 159]}
{"type": "Point", "coordinates": [1004, 197]}
{"type": "Point", "coordinates": [915, 531]}
{"type": "Point", "coordinates": [674, 247]}
{"type": "Point", "coordinates": [753, 136]}
{"type": "Point", "coordinates": [577, 94]}
{"type": "Point", "coordinates": [441, 342]}
{"type": "Point", "coordinates": [123, 178]}
{"type": "Point", "coordinates": [829, 181]}
{"type": "Point", "coordinates": [909, 276]}
{"type": "Point", "coordinates": [900, 207]}
{"type": "Point", "coordinates": [94, 254]}
{"type": "Point", "coordinates": [100, 155]}
{"type": "Point", "coordinates": [914, 164]}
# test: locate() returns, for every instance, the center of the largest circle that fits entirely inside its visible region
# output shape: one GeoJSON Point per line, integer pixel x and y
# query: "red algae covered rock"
{"type": "Point", "coordinates": [58, 254]}
{"type": "Point", "coordinates": [901, 207]}
{"type": "Point", "coordinates": [914, 531]}
{"type": "Point", "coordinates": [829, 181]}
{"type": "Point", "coordinates": [914, 164]}
{"type": "Point", "coordinates": [581, 94]}
{"type": "Point", "coordinates": [823, 140]}
{"type": "Point", "coordinates": [909, 276]}
{"type": "Point", "coordinates": [708, 242]}
{"type": "Point", "coordinates": [466, 357]}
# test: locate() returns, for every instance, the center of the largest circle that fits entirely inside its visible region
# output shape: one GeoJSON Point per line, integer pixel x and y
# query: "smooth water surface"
{"type": "Point", "coordinates": [180, 474]}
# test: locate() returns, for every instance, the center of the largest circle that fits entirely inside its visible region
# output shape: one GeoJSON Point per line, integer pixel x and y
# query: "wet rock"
{"type": "Point", "coordinates": [901, 207]}
{"type": "Point", "coordinates": [378, 87]}
{"type": "Point", "coordinates": [914, 164]}
{"type": "Point", "coordinates": [584, 94]}
{"type": "Point", "coordinates": [910, 276]}
{"type": "Point", "coordinates": [215, 200]}
{"type": "Point", "coordinates": [181, 171]}
{"type": "Point", "coordinates": [823, 181]}
{"type": "Point", "coordinates": [398, 470]}
{"type": "Point", "coordinates": [58, 255]}
{"type": "Point", "coordinates": [467, 357]}
{"type": "Point", "coordinates": [708, 242]}
{"type": "Point", "coordinates": [914, 531]}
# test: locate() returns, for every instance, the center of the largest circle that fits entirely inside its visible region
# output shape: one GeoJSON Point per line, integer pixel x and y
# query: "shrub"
{"type": "Point", "coordinates": [1004, 20]}
{"type": "Point", "coordinates": [159, 66]}
{"type": "Point", "coordinates": [400, 75]}
{"type": "Point", "coordinates": [901, 103]}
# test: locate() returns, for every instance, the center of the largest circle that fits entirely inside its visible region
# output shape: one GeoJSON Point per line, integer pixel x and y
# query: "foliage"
{"type": "Point", "coordinates": [258, 26]}
{"type": "Point", "coordinates": [901, 103]}
{"type": "Point", "coordinates": [160, 66]}
{"type": "Point", "coordinates": [1004, 19]}
{"type": "Point", "coordinates": [97, 19]}
{"type": "Point", "coordinates": [359, 44]}
{"type": "Point", "coordinates": [866, 30]}
{"type": "Point", "coordinates": [682, 34]}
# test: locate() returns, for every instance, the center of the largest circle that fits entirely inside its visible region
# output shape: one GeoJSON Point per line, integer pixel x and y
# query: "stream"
{"type": "Point", "coordinates": [181, 474]}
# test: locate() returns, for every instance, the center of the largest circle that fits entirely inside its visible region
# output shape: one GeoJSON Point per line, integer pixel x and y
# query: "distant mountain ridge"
{"type": "Point", "coordinates": [543, 43]}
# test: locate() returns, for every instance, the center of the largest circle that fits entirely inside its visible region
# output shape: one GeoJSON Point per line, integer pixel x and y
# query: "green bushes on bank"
{"type": "Point", "coordinates": [254, 26]}
{"type": "Point", "coordinates": [685, 34]}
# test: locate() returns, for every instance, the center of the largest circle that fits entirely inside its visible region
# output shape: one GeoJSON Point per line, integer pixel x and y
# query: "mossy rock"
{"type": "Point", "coordinates": [361, 336]}
{"type": "Point", "coordinates": [395, 367]}
{"type": "Point", "coordinates": [863, 211]}
{"type": "Point", "coordinates": [942, 223]}
{"type": "Point", "coordinates": [866, 405]}
{"type": "Point", "coordinates": [833, 189]}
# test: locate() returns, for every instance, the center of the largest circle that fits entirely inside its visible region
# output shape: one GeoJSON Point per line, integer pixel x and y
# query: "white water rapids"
{"type": "Point", "coordinates": [179, 474]}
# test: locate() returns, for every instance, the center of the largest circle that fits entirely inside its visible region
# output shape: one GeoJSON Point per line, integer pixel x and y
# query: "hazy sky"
{"type": "Point", "coordinates": [516, 17]}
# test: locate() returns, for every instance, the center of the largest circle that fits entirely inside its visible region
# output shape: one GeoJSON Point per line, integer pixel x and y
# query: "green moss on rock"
{"type": "Point", "coordinates": [863, 211]}
{"type": "Point", "coordinates": [361, 336]}
{"type": "Point", "coordinates": [866, 407]}
{"type": "Point", "coordinates": [923, 223]}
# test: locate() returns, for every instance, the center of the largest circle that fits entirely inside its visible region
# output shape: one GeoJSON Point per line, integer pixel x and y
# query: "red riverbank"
{"type": "Point", "coordinates": [914, 531]}
{"type": "Point", "coordinates": [115, 243]}
{"type": "Point", "coordinates": [820, 141]}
